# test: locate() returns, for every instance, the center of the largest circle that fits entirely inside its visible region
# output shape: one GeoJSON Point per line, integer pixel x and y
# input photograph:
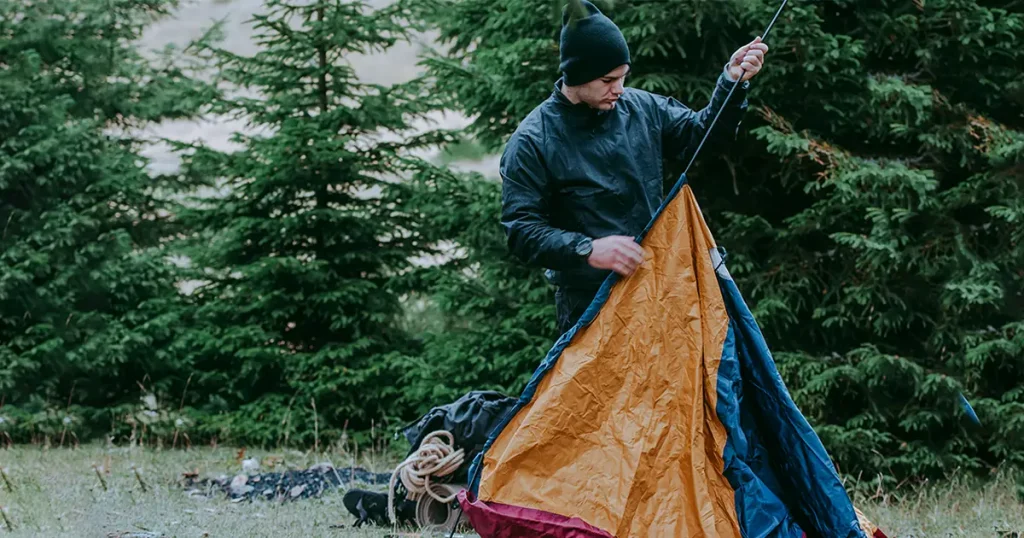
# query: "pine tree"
{"type": "Point", "coordinates": [488, 317]}
{"type": "Point", "coordinates": [86, 298]}
{"type": "Point", "coordinates": [870, 206]}
{"type": "Point", "coordinates": [298, 253]}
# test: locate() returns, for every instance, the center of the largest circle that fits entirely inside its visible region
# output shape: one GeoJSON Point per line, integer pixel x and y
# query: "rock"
{"type": "Point", "coordinates": [238, 485]}
{"type": "Point", "coordinates": [322, 467]}
{"type": "Point", "coordinates": [296, 491]}
{"type": "Point", "coordinates": [250, 465]}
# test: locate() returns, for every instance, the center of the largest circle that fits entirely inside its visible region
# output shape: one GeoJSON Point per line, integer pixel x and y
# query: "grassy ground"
{"type": "Point", "coordinates": [951, 509]}
{"type": "Point", "coordinates": [58, 494]}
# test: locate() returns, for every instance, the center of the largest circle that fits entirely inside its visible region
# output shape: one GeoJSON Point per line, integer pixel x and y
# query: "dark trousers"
{"type": "Point", "coordinates": [570, 303]}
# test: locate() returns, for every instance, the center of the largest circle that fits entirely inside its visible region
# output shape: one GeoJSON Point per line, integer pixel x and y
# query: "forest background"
{"type": "Point", "coordinates": [335, 267]}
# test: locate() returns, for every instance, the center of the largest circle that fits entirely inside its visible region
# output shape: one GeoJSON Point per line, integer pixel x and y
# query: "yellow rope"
{"type": "Point", "coordinates": [436, 457]}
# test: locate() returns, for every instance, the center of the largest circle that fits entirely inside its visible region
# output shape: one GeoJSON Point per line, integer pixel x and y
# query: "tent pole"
{"type": "Point", "coordinates": [739, 80]}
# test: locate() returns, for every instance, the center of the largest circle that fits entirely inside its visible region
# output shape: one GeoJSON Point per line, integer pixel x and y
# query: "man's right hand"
{"type": "Point", "coordinates": [618, 253]}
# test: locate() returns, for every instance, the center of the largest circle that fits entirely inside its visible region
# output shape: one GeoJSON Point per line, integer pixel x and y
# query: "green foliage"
{"type": "Point", "coordinates": [296, 254]}
{"type": "Point", "coordinates": [497, 317]}
{"type": "Point", "coordinates": [87, 303]}
{"type": "Point", "coordinates": [871, 205]}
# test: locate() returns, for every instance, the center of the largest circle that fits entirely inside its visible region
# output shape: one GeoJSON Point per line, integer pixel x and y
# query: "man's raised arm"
{"type": "Point", "coordinates": [684, 128]}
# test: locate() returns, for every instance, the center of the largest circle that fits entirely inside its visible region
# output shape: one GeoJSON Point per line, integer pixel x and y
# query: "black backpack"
{"type": "Point", "coordinates": [470, 419]}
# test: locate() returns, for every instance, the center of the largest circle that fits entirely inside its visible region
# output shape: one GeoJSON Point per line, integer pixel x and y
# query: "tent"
{"type": "Point", "coordinates": [660, 414]}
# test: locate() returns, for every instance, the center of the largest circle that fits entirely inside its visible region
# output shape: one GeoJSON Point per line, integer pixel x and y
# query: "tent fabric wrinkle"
{"type": "Point", "coordinates": [660, 413]}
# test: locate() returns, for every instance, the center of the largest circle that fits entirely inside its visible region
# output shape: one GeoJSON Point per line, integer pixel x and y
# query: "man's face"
{"type": "Point", "coordinates": [604, 92]}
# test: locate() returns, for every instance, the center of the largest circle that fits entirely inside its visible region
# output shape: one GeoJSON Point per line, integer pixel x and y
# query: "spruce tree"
{"type": "Point", "coordinates": [87, 300]}
{"type": "Point", "coordinates": [483, 319]}
{"type": "Point", "coordinates": [299, 250]}
{"type": "Point", "coordinates": [870, 206]}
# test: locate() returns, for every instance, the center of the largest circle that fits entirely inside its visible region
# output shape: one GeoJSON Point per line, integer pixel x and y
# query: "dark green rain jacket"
{"type": "Point", "coordinates": [570, 171]}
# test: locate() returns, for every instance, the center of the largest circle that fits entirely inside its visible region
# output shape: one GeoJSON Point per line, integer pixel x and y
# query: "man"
{"type": "Point", "coordinates": [582, 174]}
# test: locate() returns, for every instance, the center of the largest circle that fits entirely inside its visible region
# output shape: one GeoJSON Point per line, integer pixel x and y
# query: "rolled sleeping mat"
{"type": "Point", "coordinates": [433, 515]}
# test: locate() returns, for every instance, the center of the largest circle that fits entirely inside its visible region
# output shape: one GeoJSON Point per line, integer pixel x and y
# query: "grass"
{"type": "Point", "coordinates": [57, 494]}
{"type": "Point", "coordinates": [957, 507]}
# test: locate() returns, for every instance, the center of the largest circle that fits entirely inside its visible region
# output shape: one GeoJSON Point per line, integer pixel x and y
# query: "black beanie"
{"type": "Point", "coordinates": [591, 45]}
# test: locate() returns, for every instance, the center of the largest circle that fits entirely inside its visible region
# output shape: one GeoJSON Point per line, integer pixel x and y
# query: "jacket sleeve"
{"type": "Point", "coordinates": [526, 210]}
{"type": "Point", "coordinates": [683, 128]}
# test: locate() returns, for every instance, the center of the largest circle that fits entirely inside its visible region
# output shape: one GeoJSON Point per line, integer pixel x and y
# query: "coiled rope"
{"type": "Point", "coordinates": [435, 458]}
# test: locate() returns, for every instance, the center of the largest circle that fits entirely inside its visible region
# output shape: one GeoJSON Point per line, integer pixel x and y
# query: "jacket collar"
{"type": "Point", "coordinates": [582, 110]}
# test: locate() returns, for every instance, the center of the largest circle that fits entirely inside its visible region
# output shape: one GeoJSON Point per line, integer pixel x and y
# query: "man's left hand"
{"type": "Point", "coordinates": [748, 60]}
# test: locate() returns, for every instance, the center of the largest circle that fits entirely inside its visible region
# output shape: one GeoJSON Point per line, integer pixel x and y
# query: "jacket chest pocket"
{"type": "Point", "coordinates": [594, 210]}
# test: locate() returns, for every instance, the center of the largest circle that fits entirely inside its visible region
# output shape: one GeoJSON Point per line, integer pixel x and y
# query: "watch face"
{"type": "Point", "coordinates": [584, 247]}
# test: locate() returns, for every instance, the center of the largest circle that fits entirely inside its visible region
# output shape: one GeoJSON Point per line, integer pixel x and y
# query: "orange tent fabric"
{"type": "Point", "coordinates": [660, 414]}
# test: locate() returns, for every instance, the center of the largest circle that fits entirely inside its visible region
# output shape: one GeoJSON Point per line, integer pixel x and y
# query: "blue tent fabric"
{"type": "Point", "coordinates": [777, 464]}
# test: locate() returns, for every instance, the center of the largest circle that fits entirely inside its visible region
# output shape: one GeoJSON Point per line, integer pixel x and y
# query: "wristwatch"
{"type": "Point", "coordinates": [584, 247]}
